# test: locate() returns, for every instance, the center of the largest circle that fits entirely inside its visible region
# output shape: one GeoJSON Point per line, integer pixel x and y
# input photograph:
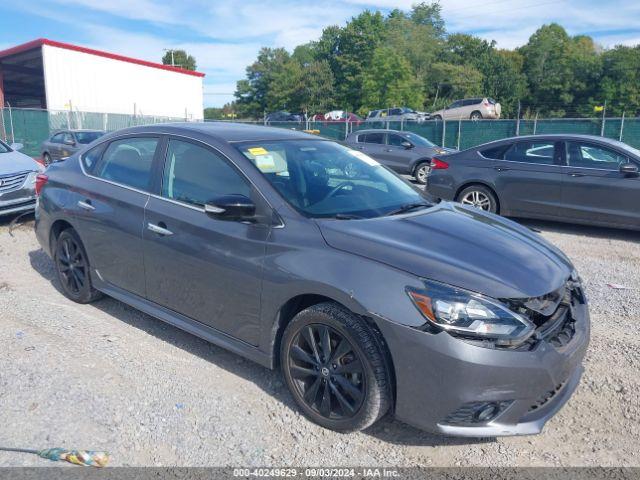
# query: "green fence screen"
{"type": "Point", "coordinates": [32, 127]}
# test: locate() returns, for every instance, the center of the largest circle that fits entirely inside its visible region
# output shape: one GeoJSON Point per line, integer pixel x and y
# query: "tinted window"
{"type": "Point", "coordinates": [418, 140]}
{"type": "Point", "coordinates": [455, 104]}
{"type": "Point", "coordinates": [496, 153]}
{"type": "Point", "coordinates": [87, 137]}
{"type": "Point", "coordinates": [395, 140]}
{"type": "Point", "coordinates": [471, 101]}
{"type": "Point", "coordinates": [92, 157]}
{"type": "Point", "coordinates": [128, 162]}
{"type": "Point", "coordinates": [591, 156]}
{"type": "Point", "coordinates": [68, 139]}
{"type": "Point", "coordinates": [374, 138]}
{"type": "Point", "coordinates": [57, 138]}
{"type": "Point", "coordinates": [197, 175]}
{"type": "Point", "coordinates": [395, 111]}
{"type": "Point", "coordinates": [531, 152]}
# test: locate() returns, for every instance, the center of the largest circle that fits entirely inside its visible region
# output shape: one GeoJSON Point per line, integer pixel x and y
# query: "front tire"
{"type": "Point", "coordinates": [479, 196]}
{"type": "Point", "coordinates": [46, 158]}
{"type": "Point", "coordinates": [334, 366]}
{"type": "Point", "coordinates": [72, 268]}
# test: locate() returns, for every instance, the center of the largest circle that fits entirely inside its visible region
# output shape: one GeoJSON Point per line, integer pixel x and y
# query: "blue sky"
{"type": "Point", "coordinates": [225, 35]}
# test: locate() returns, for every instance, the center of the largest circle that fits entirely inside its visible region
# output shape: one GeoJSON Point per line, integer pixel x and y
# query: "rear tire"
{"type": "Point", "coordinates": [334, 366]}
{"type": "Point", "coordinates": [421, 172]}
{"type": "Point", "coordinates": [479, 196]}
{"type": "Point", "coordinates": [476, 115]}
{"type": "Point", "coordinates": [72, 267]}
{"type": "Point", "coordinates": [437, 117]}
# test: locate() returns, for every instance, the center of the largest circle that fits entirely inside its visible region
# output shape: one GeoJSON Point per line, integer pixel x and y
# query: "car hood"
{"type": "Point", "coordinates": [459, 246]}
{"type": "Point", "coordinates": [14, 162]}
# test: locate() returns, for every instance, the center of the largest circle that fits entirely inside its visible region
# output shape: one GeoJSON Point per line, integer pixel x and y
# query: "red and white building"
{"type": "Point", "coordinates": [60, 76]}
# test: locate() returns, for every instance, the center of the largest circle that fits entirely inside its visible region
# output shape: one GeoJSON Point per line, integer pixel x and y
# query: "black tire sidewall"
{"type": "Point", "coordinates": [376, 402]}
{"type": "Point", "coordinates": [87, 293]}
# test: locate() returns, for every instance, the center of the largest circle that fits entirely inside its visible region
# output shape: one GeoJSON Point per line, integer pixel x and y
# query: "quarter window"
{"type": "Point", "coordinates": [92, 157]}
{"type": "Point", "coordinates": [129, 162]}
{"type": "Point", "coordinates": [531, 152]}
{"type": "Point", "coordinates": [196, 175]}
{"type": "Point", "coordinates": [587, 155]}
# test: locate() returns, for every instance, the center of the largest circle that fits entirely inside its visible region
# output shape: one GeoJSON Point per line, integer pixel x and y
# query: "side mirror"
{"type": "Point", "coordinates": [231, 207]}
{"type": "Point", "coordinates": [629, 169]}
{"type": "Point", "coordinates": [16, 146]}
{"type": "Point", "coordinates": [407, 145]}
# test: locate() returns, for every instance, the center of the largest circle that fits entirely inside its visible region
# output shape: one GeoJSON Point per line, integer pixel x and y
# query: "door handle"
{"type": "Point", "coordinates": [160, 229]}
{"type": "Point", "coordinates": [501, 169]}
{"type": "Point", "coordinates": [575, 174]}
{"type": "Point", "coordinates": [86, 205]}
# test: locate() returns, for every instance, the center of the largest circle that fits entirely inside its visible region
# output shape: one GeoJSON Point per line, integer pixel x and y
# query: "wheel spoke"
{"type": "Point", "coordinates": [351, 367]}
{"type": "Point", "coordinates": [348, 387]}
{"type": "Point", "coordinates": [326, 344]}
{"type": "Point", "coordinates": [347, 407]}
{"type": "Point", "coordinates": [312, 392]}
{"type": "Point", "coordinates": [299, 354]}
{"type": "Point", "coordinates": [302, 373]}
{"type": "Point", "coordinates": [325, 405]}
{"type": "Point", "coordinates": [309, 336]}
{"type": "Point", "coordinates": [343, 348]}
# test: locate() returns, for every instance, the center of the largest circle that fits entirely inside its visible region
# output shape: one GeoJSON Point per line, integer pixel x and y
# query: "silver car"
{"type": "Point", "coordinates": [397, 114]}
{"type": "Point", "coordinates": [65, 143]}
{"type": "Point", "coordinates": [470, 108]}
{"type": "Point", "coordinates": [17, 180]}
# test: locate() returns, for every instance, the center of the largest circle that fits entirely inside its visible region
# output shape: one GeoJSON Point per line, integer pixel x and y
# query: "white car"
{"type": "Point", "coordinates": [17, 179]}
{"type": "Point", "coordinates": [469, 108]}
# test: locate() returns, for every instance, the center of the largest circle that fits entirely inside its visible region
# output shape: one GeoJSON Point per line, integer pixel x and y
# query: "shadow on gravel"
{"type": "Point", "coordinates": [582, 230]}
{"type": "Point", "coordinates": [387, 430]}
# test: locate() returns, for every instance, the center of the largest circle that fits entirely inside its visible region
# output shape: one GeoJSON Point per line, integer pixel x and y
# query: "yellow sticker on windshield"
{"type": "Point", "coordinates": [257, 151]}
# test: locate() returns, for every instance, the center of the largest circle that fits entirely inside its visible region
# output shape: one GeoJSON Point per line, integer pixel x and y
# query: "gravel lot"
{"type": "Point", "coordinates": [105, 376]}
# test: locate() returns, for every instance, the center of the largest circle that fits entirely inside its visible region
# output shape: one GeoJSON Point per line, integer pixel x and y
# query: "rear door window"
{"type": "Point", "coordinates": [57, 138]}
{"type": "Point", "coordinates": [539, 152]}
{"type": "Point", "coordinates": [495, 153]}
{"type": "Point", "coordinates": [128, 162]}
{"type": "Point", "coordinates": [395, 140]}
{"type": "Point", "coordinates": [374, 138]}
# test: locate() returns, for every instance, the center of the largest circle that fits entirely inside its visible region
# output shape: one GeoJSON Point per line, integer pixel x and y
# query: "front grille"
{"type": "Point", "coordinates": [546, 397]}
{"type": "Point", "coordinates": [9, 183]}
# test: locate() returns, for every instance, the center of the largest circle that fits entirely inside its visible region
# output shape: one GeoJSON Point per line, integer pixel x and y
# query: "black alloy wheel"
{"type": "Point", "coordinates": [72, 267]}
{"type": "Point", "coordinates": [327, 372]}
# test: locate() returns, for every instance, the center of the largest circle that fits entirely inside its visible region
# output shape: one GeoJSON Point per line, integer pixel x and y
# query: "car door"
{"type": "Point", "coordinates": [109, 208]}
{"type": "Point", "coordinates": [452, 111]}
{"type": "Point", "coordinates": [207, 269]}
{"type": "Point", "coordinates": [55, 146]}
{"type": "Point", "coordinates": [395, 155]}
{"type": "Point", "coordinates": [528, 176]}
{"type": "Point", "coordinates": [594, 188]}
{"type": "Point", "coordinates": [373, 144]}
{"type": "Point", "coordinates": [68, 145]}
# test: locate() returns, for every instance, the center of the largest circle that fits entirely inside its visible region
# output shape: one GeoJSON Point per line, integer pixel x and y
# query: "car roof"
{"type": "Point", "coordinates": [224, 131]}
{"type": "Point", "coordinates": [557, 137]}
{"type": "Point", "coordinates": [377, 130]}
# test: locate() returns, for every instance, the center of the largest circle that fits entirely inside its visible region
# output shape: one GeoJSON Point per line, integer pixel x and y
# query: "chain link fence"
{"type": "Point", "coordinates": [31, 127]}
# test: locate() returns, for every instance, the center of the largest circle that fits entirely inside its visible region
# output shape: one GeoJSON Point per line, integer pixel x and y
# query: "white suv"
{"type": "Point", "coordinates": [473, 108]}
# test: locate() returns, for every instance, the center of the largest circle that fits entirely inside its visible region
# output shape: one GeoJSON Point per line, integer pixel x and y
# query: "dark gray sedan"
{"type": "Point", "coordinates": [404, 152]}
{"type": "Point", "coordinates": [65, 143]}
{"type": "Point", "coordinates": [368, 298]}
{"type": "Point", "coordinates": [572, 178]}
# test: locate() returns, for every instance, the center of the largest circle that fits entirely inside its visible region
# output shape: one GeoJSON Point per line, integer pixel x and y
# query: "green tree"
{"type": "Point", "coordinates": [390, 82]}
{"type": "Point", "coordinates": [179, 58]}
{"type": "Point", "coordinates": [449, 82]}
{"type": "Point", "coordinates": [429, 14]}
{"type": "Point", "coordinates": [620, 82]}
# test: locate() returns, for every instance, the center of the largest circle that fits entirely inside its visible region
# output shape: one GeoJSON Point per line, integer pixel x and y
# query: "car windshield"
{"type": "Point", "coordinates": [324, 179]}
{"type": "Point", "coordinates": [87, 137]}
{"type": "Point", "coordinates": [4, 148]}
{"type": "Point", "coordinates": [419, 141]}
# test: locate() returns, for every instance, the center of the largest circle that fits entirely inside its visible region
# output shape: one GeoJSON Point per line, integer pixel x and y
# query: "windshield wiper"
{"type": "Point", "coordinates": [407, 208]}
{"type": "Point", "coordinates": [346, 216]}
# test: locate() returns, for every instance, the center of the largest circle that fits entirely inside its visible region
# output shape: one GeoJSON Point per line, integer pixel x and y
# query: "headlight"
{"type": "Point", "coordinates": [470, 314]}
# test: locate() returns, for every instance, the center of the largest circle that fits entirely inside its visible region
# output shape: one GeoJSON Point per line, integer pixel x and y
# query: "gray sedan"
{"type": "Point", "coordinates": [369, 298]}
{"type": "Point", "coordinates": [574, 178]}
{"type": "Point", "coordinates": [403, 152]}
{"type": "Point", "coordinates": [65, 143]}
{"type": "Point", "coordinates": [18, 174]}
